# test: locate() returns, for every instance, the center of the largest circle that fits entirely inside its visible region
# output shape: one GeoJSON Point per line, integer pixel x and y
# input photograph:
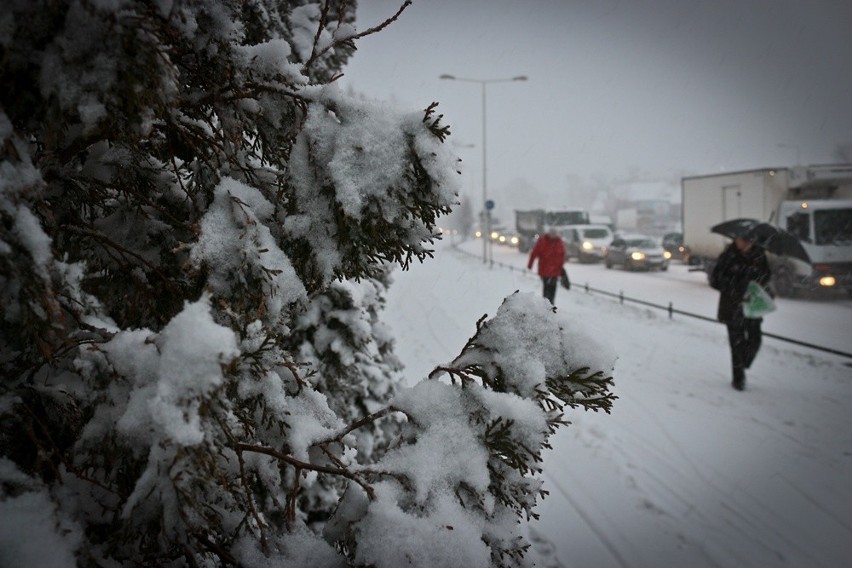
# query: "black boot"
{"type": "Point", "coordinates": [739, 379]}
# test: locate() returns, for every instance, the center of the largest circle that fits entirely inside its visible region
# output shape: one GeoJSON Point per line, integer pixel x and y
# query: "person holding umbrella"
{"type": "Point", "coordinates": [741, 262]}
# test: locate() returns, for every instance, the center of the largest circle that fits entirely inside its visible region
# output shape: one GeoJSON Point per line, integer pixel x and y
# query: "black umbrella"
{"type": "Point", "coordinates": [734, 228]}
{"type": "Point", "coordinates": [771, 238]}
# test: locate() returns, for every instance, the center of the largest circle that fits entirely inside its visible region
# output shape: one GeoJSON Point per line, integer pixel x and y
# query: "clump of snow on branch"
{"type": "Point", "coordinates": [172, 373]}
{"type": "Point", "coordinates": [31, 532]}
{"type": "Point", "coordinates": [235, 240]}
{"type": "Point", "coordinates": [521, 347]}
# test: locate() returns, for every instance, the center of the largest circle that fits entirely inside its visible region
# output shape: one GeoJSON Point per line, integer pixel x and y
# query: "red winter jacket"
{"type": "Point", "coordinates": [550, 253]}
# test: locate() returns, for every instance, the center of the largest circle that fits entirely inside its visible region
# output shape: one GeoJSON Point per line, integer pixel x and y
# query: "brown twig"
{"type": "Point", "coordinates": [290, 508]}
{"type": "Point", "coordinates": [216, 549]}
{"type": "Point", "coordinates": [103, 239]}
{"type": "Point", "coordinates": [375, 29]}
{"type": "Point", "coordinates": [383, 25]}
{"type": "Point", "coordinates": [299, 464]}
{"type": "Point", "coordinates": [250, 502]}
{"type": "Point", "coordinates": [362, 422]}
{"type": "Point", "coordinates": [454, 373]}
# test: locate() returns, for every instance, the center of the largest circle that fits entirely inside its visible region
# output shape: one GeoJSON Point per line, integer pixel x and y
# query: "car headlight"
{"type": "Point", "coordinates": [827, 281]}
{"type": "Point", "coordinates": [667, 255]}
{"type": "Point", "coordinates": [502, 238]}
{"type": "Point", "coordinates": [587, 245]}
{"type": "Point", "coordinates": [494, 234]}
{"type": "Point", "coordinates": [637, 255]}
{"type": "Point", "coordinates": [478, 234]}
{"type": "Point", "coordinates": [515, 240]}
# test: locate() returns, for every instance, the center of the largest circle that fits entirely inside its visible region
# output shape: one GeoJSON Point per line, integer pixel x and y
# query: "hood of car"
{"type": "Point", "coordinates": [651, 251]}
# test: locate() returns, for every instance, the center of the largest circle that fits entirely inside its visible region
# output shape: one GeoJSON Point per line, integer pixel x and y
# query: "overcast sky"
{"type": "Point", "coordinates": [657, 87]}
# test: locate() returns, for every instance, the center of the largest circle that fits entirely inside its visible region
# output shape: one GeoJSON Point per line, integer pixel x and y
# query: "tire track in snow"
{"type": "Point", "coordinates": [719, 491]}
{"type": "Point", "coordinates": [765, 534]}
{"type": "Point", "coordinates": [665, 489]}
{"type": "Point", "coordinates": [590, 522]}
{"type": "Point", "coordinates": [816, 504]}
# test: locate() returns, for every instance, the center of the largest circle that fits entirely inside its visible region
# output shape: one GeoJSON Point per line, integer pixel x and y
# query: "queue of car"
{"type": "Point", "coordinates": [597, 243]}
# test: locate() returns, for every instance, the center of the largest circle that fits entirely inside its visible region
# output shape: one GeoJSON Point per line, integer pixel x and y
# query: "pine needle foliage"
{"type": "Point", "coordinates": [197, 232]}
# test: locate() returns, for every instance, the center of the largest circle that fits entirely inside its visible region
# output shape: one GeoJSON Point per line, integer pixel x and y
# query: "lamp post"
{"type": "Point", "coordinates": [486, 236]}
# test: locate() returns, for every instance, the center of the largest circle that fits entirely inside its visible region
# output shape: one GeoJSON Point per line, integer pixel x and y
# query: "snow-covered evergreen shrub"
{"type": "Point", "coordinates": [196, 229]}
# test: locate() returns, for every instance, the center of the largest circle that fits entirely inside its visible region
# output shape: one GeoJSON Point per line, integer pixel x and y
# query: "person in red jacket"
{"type": "Point", "coordinates": [550, 252]}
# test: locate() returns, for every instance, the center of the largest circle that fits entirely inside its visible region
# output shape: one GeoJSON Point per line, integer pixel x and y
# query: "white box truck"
{"type": "Point", "coordinates": [812, 202]}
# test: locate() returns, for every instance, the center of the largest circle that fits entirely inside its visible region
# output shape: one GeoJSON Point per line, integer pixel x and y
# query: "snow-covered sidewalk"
{"type": "Point", "coordinates": [685, 471]}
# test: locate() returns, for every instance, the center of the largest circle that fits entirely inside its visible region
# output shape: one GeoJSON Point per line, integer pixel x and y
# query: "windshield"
{"type": "Point", "coordinates": [833, 227]}
{"type": "Point", "coordinates": [596, 233]}
{"type": "Point", "coordinates": [641, 243]}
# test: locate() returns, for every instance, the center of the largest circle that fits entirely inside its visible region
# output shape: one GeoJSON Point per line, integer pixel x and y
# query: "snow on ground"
{"type": "Point", "coordinates": [685, 471]}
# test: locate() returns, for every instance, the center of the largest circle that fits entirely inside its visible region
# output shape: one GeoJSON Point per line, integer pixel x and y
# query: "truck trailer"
{"type": "Point", "coordinates": [531, 223]}
{"type": "Point", "coordinates": [812, 202]}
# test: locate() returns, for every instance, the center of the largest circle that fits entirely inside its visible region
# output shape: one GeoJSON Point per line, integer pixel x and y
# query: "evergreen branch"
{"type": "Point", "coordinates": [299, 464]}
{"type": "Point", "coordinates": [323, 21]}
{"type": "Point", "coordinates": [215, 548]}
{"type": "Point", "coordinates": [369, 419]}
{"type": "Point", "coordinates": [351, 39]}
{"type": "Point", "coordinates": [470, 344]}
{"type": "Point", "coordinates": [453, 372]}
{"type": "Point", "coordinates": [250, 501]}
{"type": "Point", "coordinates": [290, 505]}
{"type": "Point", "coordinates": [330, 455]}
{"type": "Point", "coordinates": [104, 240]}
{"type": "Point", "coordinates": [400, 477]}
{"type": "Point", "coordinates": [294, 369]}
{"type": "Point", "coordinates": [45, 431]}
{"type": "Point", "coordinates": [386, 23]}
{"type": "Point", "coordinates": [434, 124]}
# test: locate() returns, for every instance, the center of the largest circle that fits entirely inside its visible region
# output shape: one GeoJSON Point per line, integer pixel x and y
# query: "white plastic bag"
{"type": "Point", "coordinates": [757, 301]}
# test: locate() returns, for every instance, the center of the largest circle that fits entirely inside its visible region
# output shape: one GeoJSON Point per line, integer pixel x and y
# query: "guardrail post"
{"type": "Point", "coordinates": [670, 310]}
{"type": "Point", "coordinates": [621, 296]}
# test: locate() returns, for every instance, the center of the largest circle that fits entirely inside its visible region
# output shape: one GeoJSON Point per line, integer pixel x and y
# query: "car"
{"type": "Point", "coordinates": [636, 252]}
{"type": "Point", "coordinates": [586, 243]}
{"type": "Point", "coordinates": [673, 244]}
{"type": "Point", "coordinates": [504, 236]}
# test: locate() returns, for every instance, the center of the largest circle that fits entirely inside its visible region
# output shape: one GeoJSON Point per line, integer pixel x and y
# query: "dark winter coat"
{"type": "Point", "coordinates": [731, 275]}
{"type": "Point", "coordinates": [550, 252]}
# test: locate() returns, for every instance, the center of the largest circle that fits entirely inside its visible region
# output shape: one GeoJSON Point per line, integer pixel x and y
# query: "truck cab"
{"type": "Point", "coordinates": [824, 227]}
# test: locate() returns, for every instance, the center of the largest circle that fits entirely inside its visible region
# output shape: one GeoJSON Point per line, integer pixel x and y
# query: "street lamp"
{"type": "Point", "coordinates": [486, 237]}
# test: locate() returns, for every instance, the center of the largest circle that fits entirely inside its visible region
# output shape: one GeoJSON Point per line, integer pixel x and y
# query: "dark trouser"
{"type": "Point", "coordinates": [744, 337]}
{"type": "Point", "coordinates": [550, 283]}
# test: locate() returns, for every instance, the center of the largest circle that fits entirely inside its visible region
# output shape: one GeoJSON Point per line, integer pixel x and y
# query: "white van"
{"type": "Point", "coordinates": [586, 243]}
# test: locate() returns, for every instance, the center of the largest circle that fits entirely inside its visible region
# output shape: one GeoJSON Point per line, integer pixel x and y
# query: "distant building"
{"type": "Point", "coordinates": [646, 207]}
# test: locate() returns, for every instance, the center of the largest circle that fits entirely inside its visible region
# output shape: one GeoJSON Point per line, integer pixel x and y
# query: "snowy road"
{"type": "Point", "coordinates": [685, 471]}
{"type": "Point", "coordinates": [826, 323]}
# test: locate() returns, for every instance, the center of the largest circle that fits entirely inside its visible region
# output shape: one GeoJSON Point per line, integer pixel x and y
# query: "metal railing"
{"type": "Point", "coordinates": [671, 309]}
